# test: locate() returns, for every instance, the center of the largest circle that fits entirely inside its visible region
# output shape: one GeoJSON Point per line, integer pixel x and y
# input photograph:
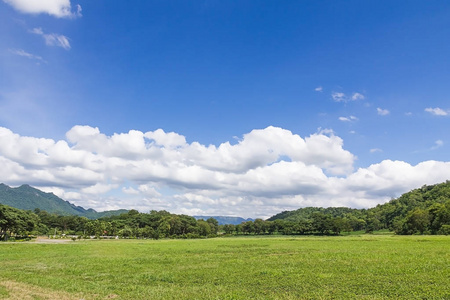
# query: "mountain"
{"type": "Point", "coordinates": [225, 220]}
{"type": "Point", "coordinates": [28, 198]}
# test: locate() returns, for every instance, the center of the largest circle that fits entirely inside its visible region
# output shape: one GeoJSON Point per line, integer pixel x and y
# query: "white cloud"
{"type": "Point", "coordinates": [383, 112]}
{"type": "Point", "coordinates": [168, 140]}
{"type": "Point", "coordinates": [374, 150]}
{"type": "Point", "coordinates": [37, 31]}
{"type": "Point", "coordinates": [357, 96]}
{"type": "Point", "coordinates": [130, 191]}
{"type": "Point", "coordinates": [339, 97]}
{"type": "Point", "coordinates": [99, 188]}
{"type": "Point", "coordinates": [437, 144]}
{"type": "Point", "coordinates": [318, 89]}
{"type": "Point", "coordinates": [395, 177]}
{"type": "Point", "coordinates": [266, 171]}
{"type": "Point", "coordinates": [21, 52]}
{"type": "Point", "coordinates": [149, 190]}
{"type": "Point", "coordinates": [437, 111]}
{"type": "Point", "coordinates": [57, 40]}
{"type": "Point", "coordinates": [348, 119]}
{"type": "Point", "coordinates": [56, 8]}
{"type": "Point", "coordinates": [53, 39]}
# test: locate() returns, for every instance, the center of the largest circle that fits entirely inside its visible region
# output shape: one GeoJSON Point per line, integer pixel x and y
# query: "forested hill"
{"type": "Point", "coordinates": [307, 212]}
{"type": "Point", "coordinates": [422, 210]}
{"type": "Point", "coordinates": [28, 198]}
{"type": "Point", "coordinates": [429, 205]}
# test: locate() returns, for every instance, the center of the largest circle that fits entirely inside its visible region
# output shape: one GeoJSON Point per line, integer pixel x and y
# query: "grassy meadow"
{"type": "Point", "coordinates": [345, 267]}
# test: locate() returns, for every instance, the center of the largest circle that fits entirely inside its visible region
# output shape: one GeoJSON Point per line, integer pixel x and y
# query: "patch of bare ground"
{"type": "Point", "coordinates": [46, 240]}
{"type": "Point", "coordinates": [21, 291]}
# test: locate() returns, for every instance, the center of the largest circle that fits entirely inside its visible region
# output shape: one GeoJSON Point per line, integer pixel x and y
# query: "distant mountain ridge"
{"type": "Point", "coordinates": [29, 198]}
{"type": "Point", "coordinates": [223, 220]}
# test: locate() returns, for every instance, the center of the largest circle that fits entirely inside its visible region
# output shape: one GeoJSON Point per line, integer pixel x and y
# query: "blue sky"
{"type": "Point", "coordinates": [229, 92]}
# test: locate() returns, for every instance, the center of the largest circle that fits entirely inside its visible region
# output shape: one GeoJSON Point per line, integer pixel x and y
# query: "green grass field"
{"type": "Point", "coordinates": [348, 267]}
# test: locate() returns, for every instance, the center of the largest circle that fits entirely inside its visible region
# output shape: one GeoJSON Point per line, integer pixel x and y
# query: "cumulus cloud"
{"type": "Point", "coordinates": [318, 89]}
{"type": "Point", "coordinates": [383, 112]}
{"type": "Point", "coordinates": [53, 39]}
{"type": "Point", "coordinates": [394, 177]}
{"type": "Point", "coordinates": [437, 111]}
{"type": "Point", "coordinates": [266, 171]}
{"type": "Point", "coordinates": [56, 8]}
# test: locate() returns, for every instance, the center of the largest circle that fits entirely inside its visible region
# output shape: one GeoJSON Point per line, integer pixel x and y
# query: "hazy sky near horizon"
{"type": "Point", "coordinates": [243, 108]}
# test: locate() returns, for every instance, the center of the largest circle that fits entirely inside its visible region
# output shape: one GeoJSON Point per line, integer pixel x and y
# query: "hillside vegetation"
{"type": "Point", "coordinates": [28, 198]}
{"type": "Point", "coordinates": [421, 211]}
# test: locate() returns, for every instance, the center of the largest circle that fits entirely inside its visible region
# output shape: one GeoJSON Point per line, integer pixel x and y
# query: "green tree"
{"type": "Point", "coordinates": [322, 223]}
{"type": "Point", "coordinates": [228, 228]}
{"type": "Point", "coordinates": [248, 227]}
{"type": "Point", "coordinates": [204, 228]}
{"type": "Point", "coordinates": [259, 226]}
{"type": "Point", "coordinates": [15, 221]}
{"type": "Point", "coordinates": [417, 220]}
{"type": "Point", "coordinates": [214, 224]}
{"type": "Point", "coordinates": [126, 232]}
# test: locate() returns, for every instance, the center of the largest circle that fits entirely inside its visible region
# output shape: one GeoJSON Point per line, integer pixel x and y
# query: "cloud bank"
{"type": "Point", "coordinates": [266, 171]}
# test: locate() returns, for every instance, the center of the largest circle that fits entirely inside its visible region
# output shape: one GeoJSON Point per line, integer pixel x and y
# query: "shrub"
{"type": "Point", "coordinates": [445, 229]}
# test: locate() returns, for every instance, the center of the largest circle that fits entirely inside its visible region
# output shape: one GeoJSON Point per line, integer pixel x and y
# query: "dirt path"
{"type": "Point", "coordinates": [46, 240]}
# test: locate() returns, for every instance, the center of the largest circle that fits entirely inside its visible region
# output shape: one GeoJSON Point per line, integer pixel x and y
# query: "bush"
{"type": "Point", "coordinates": [445, 229]}
{"type": "Point", "coordinates": [192, 236]}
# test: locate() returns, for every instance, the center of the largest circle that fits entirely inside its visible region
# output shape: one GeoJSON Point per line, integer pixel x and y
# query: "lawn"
{"type": "Point", "coordinates": [346, 267]}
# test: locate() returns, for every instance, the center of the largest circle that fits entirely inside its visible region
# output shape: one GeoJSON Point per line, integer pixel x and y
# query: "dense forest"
{"type": "Point", "coordinates": [421, 211]}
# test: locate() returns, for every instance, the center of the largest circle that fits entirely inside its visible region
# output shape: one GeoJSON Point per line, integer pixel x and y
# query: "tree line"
{"type": "Point", "coordinates": [160, 224]}
{"type": "Point", "coordinates": [133, 224]}
{"type": "Point", "coordinates": [421, 211]}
